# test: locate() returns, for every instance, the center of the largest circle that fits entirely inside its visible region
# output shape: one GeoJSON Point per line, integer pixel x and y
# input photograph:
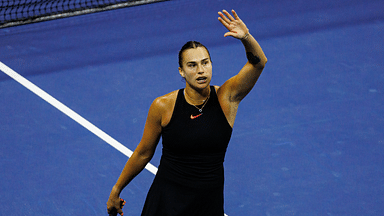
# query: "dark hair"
{"type": "Point", "coordinates": [190, 45]}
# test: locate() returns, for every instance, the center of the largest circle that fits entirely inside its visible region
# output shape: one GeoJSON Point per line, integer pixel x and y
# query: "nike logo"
{"type": "Point", "coordinates": [193, 117]}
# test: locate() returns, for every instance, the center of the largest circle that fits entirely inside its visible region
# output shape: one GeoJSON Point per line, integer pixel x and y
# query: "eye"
{"type": "Point", "coordinates": [192, 65]}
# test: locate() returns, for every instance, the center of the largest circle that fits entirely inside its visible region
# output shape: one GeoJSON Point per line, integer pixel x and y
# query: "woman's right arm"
{"type": "Point", "coordinates": [140, 157]}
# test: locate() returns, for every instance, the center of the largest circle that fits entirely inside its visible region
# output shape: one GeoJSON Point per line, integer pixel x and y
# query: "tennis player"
{"type": "Point", "coordinates": [195, 124]}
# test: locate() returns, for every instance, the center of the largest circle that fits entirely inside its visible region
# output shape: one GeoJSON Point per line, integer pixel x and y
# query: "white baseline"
{"type": "Point", "coordinates": [70, 113]}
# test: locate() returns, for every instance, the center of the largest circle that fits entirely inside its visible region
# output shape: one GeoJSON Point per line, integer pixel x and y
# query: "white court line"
{"type": "Point", "coordinates": [70, 113]}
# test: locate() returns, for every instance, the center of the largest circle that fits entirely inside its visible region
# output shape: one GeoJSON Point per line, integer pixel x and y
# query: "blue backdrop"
{"type": "Point", "coordinates": [308, 140]}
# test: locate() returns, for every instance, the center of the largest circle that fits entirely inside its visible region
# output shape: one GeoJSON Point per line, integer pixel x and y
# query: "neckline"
{"type": "Point", "coordinates": [183, 94]}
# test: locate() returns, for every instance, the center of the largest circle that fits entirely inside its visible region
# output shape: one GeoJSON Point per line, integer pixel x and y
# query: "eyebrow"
{"type": "Point", "coordinates": [195, 61]}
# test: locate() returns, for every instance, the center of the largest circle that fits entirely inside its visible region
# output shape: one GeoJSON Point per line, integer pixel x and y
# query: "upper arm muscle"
{"type": "Point", "coordinates": [152, 131]}
{"type": "Point", "coordinates": [240, 85]}
{"type": "Point", "coordinates": [159, 115]}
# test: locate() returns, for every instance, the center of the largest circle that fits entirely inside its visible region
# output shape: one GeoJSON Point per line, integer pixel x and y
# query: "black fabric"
{"type": "Point", "coordinates": [190, 177]}
{"type": "Point", "coordinates": [169, 198]}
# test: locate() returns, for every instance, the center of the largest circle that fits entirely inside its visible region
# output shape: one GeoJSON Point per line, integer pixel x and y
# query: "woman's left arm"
{"type": "Point", "coordinates": [237, 87]}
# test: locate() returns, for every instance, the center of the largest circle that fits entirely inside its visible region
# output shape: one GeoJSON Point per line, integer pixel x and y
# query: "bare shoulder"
{"type": "Point", "coordinates": [163, 107]}
{"type": "Point", "coordinates": [165, 101]}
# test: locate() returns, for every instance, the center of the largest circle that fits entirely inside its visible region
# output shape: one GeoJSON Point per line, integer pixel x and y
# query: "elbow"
{"type": "Point", "coordinates": [262, 63]}
{"type": "Point", "coordinates": [263, 60]}
{"type": "Point", "coordinates": [145, 156]}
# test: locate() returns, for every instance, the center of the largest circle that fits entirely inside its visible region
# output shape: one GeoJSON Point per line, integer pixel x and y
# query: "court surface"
{"type": "Point", "coordinates": [308, 139]}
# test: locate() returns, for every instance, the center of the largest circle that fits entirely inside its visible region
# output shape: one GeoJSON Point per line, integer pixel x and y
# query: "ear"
{"type": "Point", "coordinates": [181, 72]}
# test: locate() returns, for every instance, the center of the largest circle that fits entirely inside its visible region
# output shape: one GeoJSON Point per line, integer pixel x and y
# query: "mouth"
{"type": "Point", "coordinates": [201, 79]}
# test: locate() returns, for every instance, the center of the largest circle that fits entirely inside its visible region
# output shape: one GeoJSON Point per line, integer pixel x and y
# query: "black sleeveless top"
{"type": "Point", "coordinates": [194, 145]}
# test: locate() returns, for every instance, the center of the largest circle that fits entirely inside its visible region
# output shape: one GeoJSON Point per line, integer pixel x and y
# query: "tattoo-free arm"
{"type": "Point", "coordinates": [140, 157]}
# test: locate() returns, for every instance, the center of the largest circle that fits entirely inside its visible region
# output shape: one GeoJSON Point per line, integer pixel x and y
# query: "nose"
{"type": "Point", "coordinates": [200, 69]}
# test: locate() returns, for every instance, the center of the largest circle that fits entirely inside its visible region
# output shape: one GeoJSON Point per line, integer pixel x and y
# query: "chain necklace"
{"type": "Point", "coordinates": [205, 101]}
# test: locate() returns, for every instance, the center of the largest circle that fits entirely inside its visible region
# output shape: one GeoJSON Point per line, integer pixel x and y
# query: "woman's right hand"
{"type": "Point", "coordinates": [115, 206]}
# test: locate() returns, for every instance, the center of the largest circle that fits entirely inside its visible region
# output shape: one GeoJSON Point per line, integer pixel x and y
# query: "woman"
{"type": "Point", "coordinates": [195, 124]}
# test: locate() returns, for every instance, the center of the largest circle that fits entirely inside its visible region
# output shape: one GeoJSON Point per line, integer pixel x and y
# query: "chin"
{"type": "Point", "coordinates": [200, 86]}
{"type": "Point", "coordinates": [204, 85]}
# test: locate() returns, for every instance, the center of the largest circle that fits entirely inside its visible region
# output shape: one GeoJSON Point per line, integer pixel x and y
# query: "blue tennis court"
{"type": "Point", "coordinates": [308, 140]}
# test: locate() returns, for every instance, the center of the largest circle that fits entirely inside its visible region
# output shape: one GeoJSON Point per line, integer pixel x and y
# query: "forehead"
{"type": "Point", "coordinates": [195, 54]}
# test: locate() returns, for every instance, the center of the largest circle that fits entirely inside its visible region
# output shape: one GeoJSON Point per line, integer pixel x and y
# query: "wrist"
{"type": "Point", "coordinates": [245, 36]}
{"type": "Point", "coordinates": [115, 192]}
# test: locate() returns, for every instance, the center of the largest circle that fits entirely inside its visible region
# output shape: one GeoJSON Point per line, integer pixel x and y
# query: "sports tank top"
{"type": "Point", "coordinates": [194, 145]}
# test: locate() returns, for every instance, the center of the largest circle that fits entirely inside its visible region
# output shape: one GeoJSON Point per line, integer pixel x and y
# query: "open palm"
{"type": "Point", "coordinates": [234, 24]}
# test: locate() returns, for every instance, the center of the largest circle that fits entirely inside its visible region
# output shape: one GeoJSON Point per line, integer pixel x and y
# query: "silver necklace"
{"type": "Point", "coordinates": [205, 101]}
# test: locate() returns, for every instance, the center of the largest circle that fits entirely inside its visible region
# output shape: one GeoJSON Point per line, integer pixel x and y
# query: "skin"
{"type": "Point", "coordinates": [196, 64]}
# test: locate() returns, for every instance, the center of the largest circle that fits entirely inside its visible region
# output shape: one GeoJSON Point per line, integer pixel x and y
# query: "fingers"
{"type": "Point", "coordinates": [225, 24]}
{"type": "Point", "coordinates": [227, 18]}
{"type": "Point", "coordinates": [235, 15]}
{"type": "Point", "coordinates": [233, 23]}
{"type": "Point", "coordinates": [120, 212]}
{"type": "Point", "coordinates": [113, 211]}
{"type": "Point", "coordinates": [122, 204]}
{"type": "Point", "coordinates": [229, 22]}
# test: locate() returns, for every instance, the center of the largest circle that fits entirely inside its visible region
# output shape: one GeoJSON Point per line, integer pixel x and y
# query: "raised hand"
{"type": "Point", "coordinates": [234, 24]}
